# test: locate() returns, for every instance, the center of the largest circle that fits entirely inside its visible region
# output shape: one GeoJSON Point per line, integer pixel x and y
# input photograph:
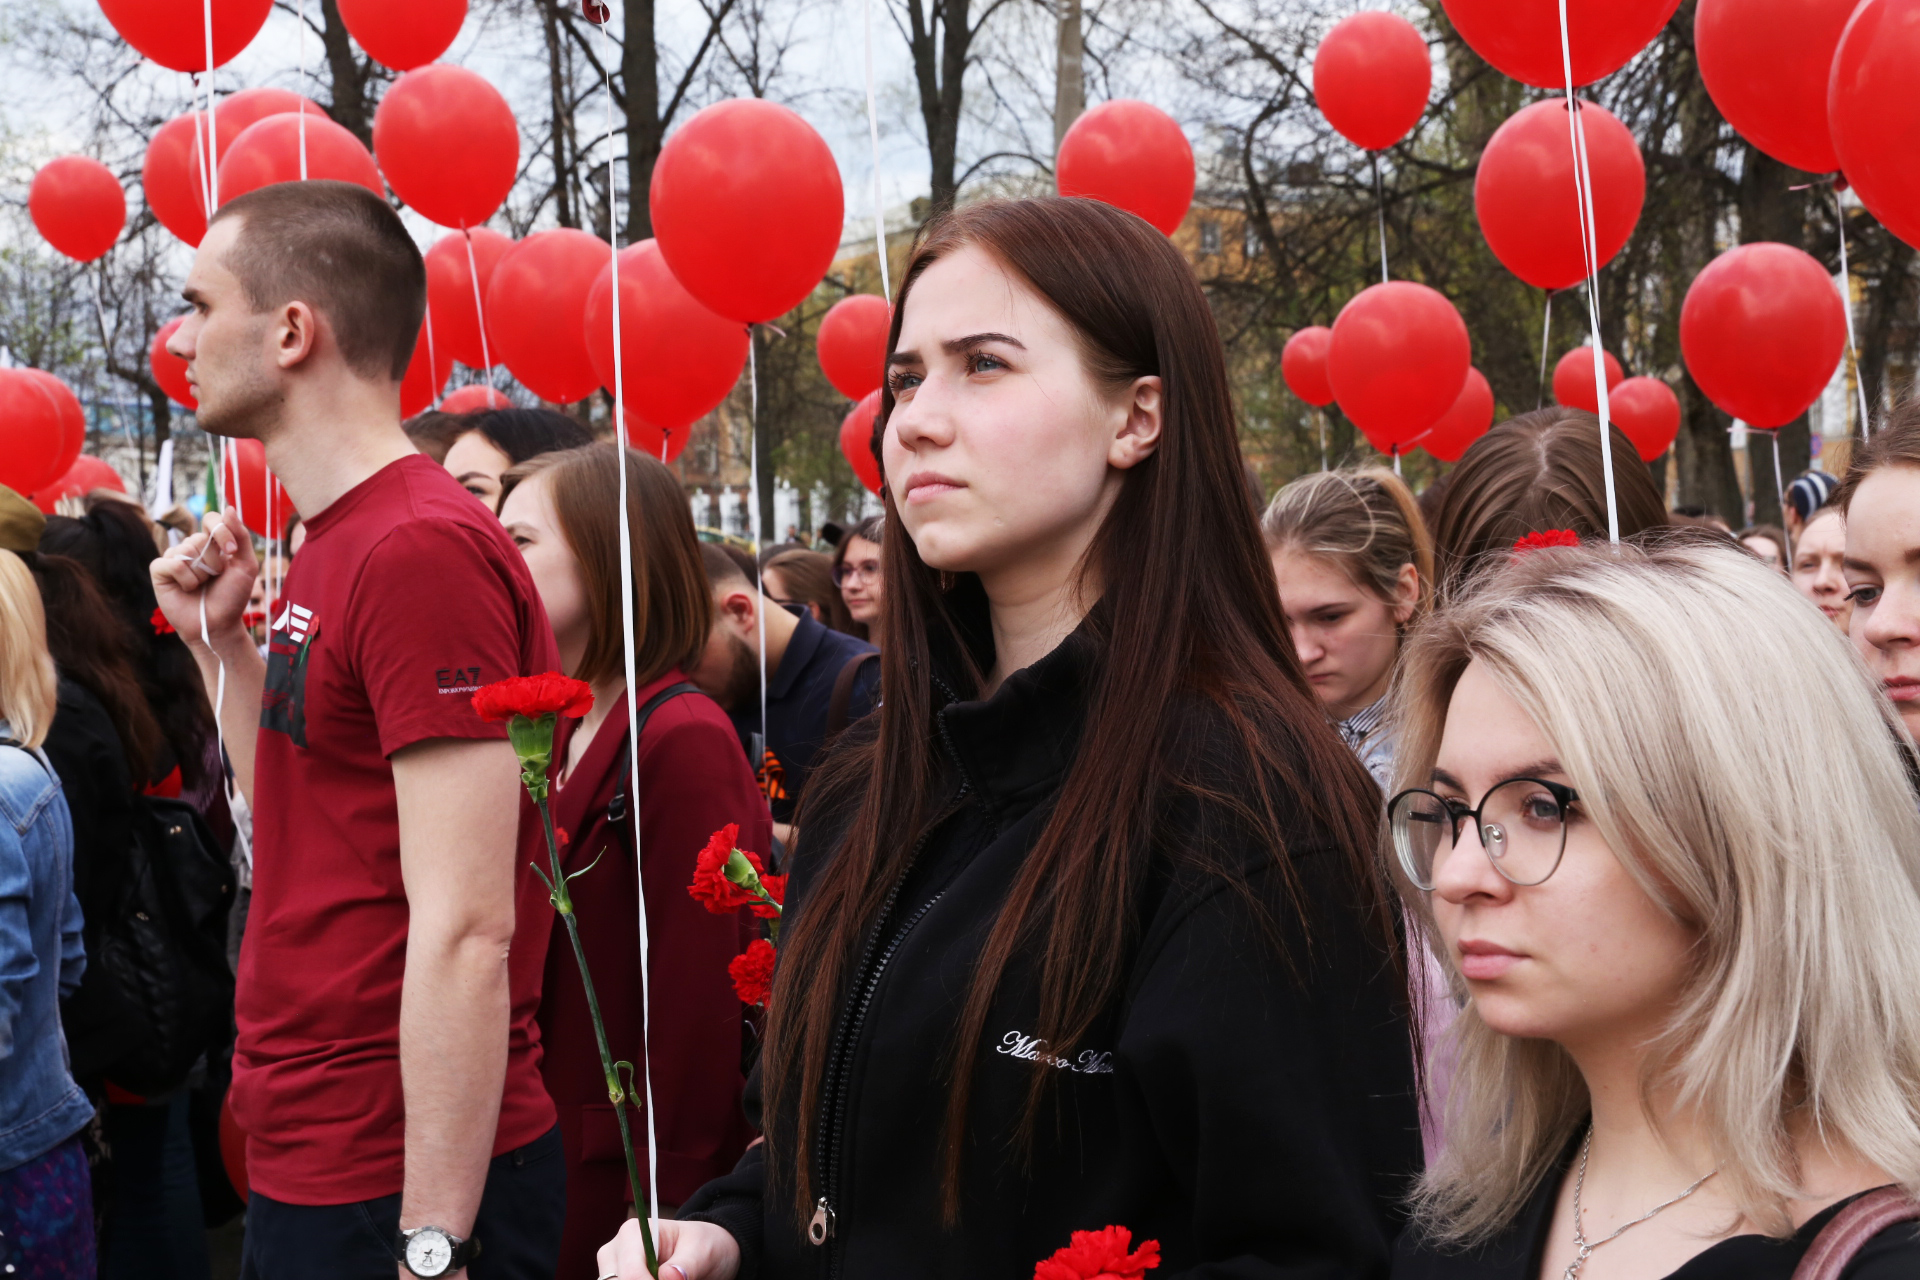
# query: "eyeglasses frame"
{"type": "Point", "coordinates": [1564, 796]}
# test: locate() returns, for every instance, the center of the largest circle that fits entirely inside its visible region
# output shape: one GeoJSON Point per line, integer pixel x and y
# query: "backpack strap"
{"type": "Point", "coordinates": [1841, 1239]}
{"type": "Point", "coordinates": [617, 809]}
{"type": "Point", "coordinates": [842, 700]}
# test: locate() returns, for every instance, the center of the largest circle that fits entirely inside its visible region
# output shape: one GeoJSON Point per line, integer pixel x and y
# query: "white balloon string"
{"type": "Point", "coordinates": [873, 135]}
{"type": "Point", "coordinates": [479, 313]}
{"type": "Point", "coordinates": [213, 142]}
{"type": "Point", "coordinates": [626, 622]}
{"type": "Point", "coordinates": [1846, 305]}
{"type": "Point", "coordinates": [759, 537]}
{"type": "Point", "coordinates": [1590, 252]}
{"type": "Point", "coordinates": [1779, 481]}
{"type": "Point", "coordinates": [200, 153]}
{"type": "Point", "coordinates": [433, 361]}
{"type": "Point", "coordinates": [1380, 211]}
{"type": "Point", "coordinates": [1546, 339]}
{"type": "Point", "coordinates": [303, 84]}
{"type": "Point", "coordinates": [1320, 417]}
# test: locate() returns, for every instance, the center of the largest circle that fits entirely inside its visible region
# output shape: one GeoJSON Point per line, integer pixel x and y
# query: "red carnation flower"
{"type": "Point", "coordinates": [159, 623]}
{"type": "Point", "coordinates": [534, 696]}
{"type": "Point", "coordinates": [752, 972]}
{"type": "Point", "coordinates": [1546, 538]}
{"type": "Point", "coordinates": [1100, 1255]}
{"type": "Point", "coordinates": [710, 884]}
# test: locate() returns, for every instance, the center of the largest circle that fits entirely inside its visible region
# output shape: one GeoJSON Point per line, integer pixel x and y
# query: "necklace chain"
{"type": "Point", "coordinates": [1580, 1241]}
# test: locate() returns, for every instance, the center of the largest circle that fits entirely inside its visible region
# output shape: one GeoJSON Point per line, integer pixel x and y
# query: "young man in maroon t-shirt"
{"type": "Point", "coordinates": [387, 1067]}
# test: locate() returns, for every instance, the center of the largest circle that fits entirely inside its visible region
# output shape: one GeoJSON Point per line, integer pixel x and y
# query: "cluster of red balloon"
{"type": "Point", "coordinates": [1645, 409]}
{"type": "Point", "coordinates": [852, 345]}
{"type": "Point", "coordinates": [42, 429]}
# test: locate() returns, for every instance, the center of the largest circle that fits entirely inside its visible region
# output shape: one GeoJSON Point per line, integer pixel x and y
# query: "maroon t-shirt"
{"type": "Point", "coordinates": [406, 597]}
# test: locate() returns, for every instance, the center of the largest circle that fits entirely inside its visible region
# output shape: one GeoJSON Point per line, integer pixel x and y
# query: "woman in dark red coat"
{"type": "Point", "coordinates": [560, 509]}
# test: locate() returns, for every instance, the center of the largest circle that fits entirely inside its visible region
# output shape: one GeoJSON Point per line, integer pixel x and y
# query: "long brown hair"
{"type": "Point", "coordinates": [1189, 614]}
{"type": "Point", "coordinates": [672, 611]}
{"type": "Point", "coordinates": [90, 646]}
{"type": "Point", "coordinates": [1535, 472]}
{"type": "Point", "coordinates": [808, 576]}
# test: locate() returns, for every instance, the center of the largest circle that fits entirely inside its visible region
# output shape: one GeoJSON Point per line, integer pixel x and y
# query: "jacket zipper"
{"type": "Point", "coordinates": [820, 1228]}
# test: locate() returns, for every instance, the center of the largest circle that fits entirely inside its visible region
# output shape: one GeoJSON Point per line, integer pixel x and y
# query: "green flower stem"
{"type": "Point", "coordinates": [741, 872]}
{"type": "Point", "coordinates": [617, 1093]}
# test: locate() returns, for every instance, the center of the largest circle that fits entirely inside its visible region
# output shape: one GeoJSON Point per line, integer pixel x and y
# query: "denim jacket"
{"type": "Point", "coordinates": [41, 958]}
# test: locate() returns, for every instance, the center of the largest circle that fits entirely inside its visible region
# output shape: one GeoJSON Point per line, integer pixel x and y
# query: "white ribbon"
{"type": "Point", "coordinates": [879, 219]}
{"type": "Point", "coordinates": [1590, 252]}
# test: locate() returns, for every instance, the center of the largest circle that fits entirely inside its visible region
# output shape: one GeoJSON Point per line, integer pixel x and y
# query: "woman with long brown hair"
{"type": "Point", "coordinates": [562, 510]}
{"type": "Point", "coordinates": [1085, 927]}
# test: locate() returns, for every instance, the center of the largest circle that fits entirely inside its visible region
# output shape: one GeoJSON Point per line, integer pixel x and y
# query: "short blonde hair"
{"type": "Point", "coordinates": [27, 683]}
{"type": "Point", "coordinates": [1730, 748]}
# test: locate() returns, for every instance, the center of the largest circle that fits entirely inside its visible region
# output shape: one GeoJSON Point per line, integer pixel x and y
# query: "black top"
{"type": "Point", "coordinates": [87, 755]}
{"type": "Point", "coordinates": [798, 694]}
{"type": "Point", "coordinates": [1258, 1123]}
{"type": "Point", "coordinates": [1517, 1252]}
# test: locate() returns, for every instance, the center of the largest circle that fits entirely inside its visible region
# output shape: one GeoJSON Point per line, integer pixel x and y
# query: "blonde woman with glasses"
{"type": "Point", "coordinates": [1689, 955]}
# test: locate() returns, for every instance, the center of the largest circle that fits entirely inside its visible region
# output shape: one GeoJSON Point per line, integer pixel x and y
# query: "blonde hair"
{"type": "Point", "coordinates": [27, 683]}
{"type": "Point", "coordinates": [1367, 522]}
{"type": "Point", "coordinates": [1666, 679]}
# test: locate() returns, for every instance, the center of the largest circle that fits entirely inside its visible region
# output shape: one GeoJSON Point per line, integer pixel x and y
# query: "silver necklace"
{"type": "Point", "coordinates": [1579, 1233]}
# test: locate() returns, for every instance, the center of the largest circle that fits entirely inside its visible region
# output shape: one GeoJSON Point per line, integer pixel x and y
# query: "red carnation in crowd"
{"type": "Point", "coordinates": [1100, 1255]}
{"type": "Point", "coordinates": [1546, 538]}
{"type": "Point", "coordinates": [159, 623]}
{"type": "Point", "coordinates": [776, 887]}
{"type": "Point", "coordinates": [534, 696]}
{"type": "Point", "coordinates": [752, 972]}
{"type": "Point", "coordinates": [721, 895]}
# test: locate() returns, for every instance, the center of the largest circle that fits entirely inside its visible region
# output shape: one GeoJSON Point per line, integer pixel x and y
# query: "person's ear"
{"type": "Point", "coordinates": [1139, 433]}
{"type": "Point", "coordinates": [296, 334]}
{"type": "Point", "coordinates": [1406, 594]}
{"type": "Point", "coordinates": [739, 607]}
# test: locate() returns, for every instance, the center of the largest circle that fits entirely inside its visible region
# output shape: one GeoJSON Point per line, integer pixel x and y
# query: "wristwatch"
{"type": "Point", "coordinates": [434, 1251]}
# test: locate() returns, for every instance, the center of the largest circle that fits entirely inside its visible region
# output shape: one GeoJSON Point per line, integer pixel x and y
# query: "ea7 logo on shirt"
{"type": "Point", "coordinates": [458, 679]}
{"type": "Point", "coordinates": [1089, 1062]}
{"type": "Point", "coordinates": [283, 702]}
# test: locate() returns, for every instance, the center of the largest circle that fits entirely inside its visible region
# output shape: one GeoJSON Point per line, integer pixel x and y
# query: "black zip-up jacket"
{"type": "Point", "coordinates": [1258, 1122]}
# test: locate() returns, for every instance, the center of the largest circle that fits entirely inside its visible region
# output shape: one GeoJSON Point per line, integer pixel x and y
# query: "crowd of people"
{"type": "Point", "coordinates": [1373, 884]}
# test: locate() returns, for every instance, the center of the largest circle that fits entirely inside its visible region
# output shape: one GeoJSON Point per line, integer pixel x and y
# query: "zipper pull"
{"type": "Point", "coordinates": [820, 1230]}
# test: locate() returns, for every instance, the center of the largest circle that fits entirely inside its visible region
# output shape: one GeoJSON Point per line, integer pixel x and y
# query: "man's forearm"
{"type": "Point", "coordinates": [454, 1008]}
{"type": "Point", "coordinates": [237, 702]}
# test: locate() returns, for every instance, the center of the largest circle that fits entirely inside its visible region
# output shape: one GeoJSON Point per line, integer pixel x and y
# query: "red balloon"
{"type": "Point", "coordinates": [448, 143]}
{"type": "Point", "coordinates": [32, 437]}
{"type": "Point", "coordinates": [534, 304]}
{"type": "Point", "coordinates": [78, 205]}
{"type": "Point", "coordinates": [1522, 37]}
{"type": "Point", "coordinates": [83, 477]}
{"type": "Point", "coordinates": [1398, 360]}
{"type": "Point", "coordinates": [856, 441]}
{"type": "Point", "coordinates": [853, 344]}
{"type": "Point", "coordinates": [747, 206]}
{"type": "Point", "coordinates": [73, 419]}
{"type": "Point", "coordinates": [268, 151]}
{"type": "Point", "coordinates": [1874, 116]}
{"type": "Point", "coordinates": [450, 292]}
{"type": "Point", "coordinates": [1467, 421]}
{"type": "Point", "coordinates": [644, 437]}
{"type": "Point", "coordinates": [171, 174]}
{"type": "Point", "coordinates": [174, 33]}
{"type": "Point", "coordinates": [474, 397]}
{"type": "Point", "coordinates": [427, 373]}
{"type": "Point", "coordinates": [1766, 64]}
{"type": "Point", "coordinates": [1526, 200]}
{"type": "Point", "coordinates": [678, 359]}
{"type": "Point", "coordinates": [1573, 379]}
{"type": "Point", "coordinates": [169, 370]}
{"type": "Point", "coordinates": [1131, 155]}
{"type": "Point", "coordinates": [1303, 363]}
{"type": "Point", "coordinates": [1371, 78]}
{"type": "Point", "coordinates": [1648, 412]}
{"type": "Point", "coordinates": [404, 36]}
{"type": "Point", "coordinates": [1762, 331]}
{"type": "Point", "coordinates": [244, 479]}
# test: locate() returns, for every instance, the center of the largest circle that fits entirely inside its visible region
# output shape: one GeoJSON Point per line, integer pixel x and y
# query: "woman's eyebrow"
{"type": "Point", "coordinates": [954, 346]}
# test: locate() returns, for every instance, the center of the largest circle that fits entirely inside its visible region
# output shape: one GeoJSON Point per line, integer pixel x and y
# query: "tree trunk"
{"type": "Point", "coordinates": [1069, 87]}
{"type": "Point", "coordinates": [1886, 305]}
{"type": "Point", "coordinates": [640, 72]}
{"type": "Point", "coordinates": [940, 58]}
{"type": "Point", "coordinates": [560, 118]}
{"type": "Point", "coordinates": [347, 76]}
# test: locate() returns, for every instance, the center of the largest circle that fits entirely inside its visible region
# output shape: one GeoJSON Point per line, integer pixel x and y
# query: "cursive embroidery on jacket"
{"type": "Point", "coordinates": [1088, 1062]}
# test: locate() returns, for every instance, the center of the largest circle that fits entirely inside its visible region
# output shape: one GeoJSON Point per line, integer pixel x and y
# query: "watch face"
{"type": "Point", "coordinates": [429, 1252]}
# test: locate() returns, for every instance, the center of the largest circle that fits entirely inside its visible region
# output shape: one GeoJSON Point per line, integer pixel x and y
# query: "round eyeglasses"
{"type": "Point", "coordinates": [1522, 825]}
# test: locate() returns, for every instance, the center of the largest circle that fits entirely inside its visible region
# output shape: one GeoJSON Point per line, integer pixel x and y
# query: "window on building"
{"type": "Point", "coordinates": [1209, 237]}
